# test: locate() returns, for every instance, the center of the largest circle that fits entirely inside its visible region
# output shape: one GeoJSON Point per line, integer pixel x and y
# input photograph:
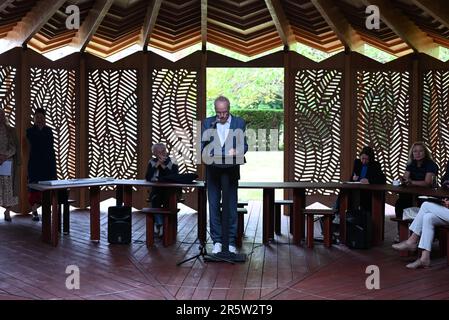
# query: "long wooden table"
{"type": "Point", "coordinates": [50, 223]}
{"type": "Point", "coordinates": [50, 218]}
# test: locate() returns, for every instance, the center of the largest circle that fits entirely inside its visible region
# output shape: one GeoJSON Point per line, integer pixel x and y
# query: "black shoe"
{"type": "Point", "coordinates": [8, 218]}
{"type": "Point", "coordinates": [35, 216]}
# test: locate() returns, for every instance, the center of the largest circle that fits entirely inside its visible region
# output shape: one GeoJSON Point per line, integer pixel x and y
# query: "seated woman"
{"type": "Point", "coordinates": [429, 216]}
{"type": "Point", "coordinates": [420, 171]}
{"type": "Point", "coordinates": [366, 170]}
{"type": "Point", "coordinates": [161, 165]}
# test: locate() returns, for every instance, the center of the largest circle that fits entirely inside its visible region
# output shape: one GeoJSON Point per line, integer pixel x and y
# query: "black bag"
{"type": "Point", "coordinates": [358, 229]}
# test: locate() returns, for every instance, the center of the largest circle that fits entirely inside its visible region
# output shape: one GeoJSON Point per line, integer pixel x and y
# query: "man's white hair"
{"type": "Point", "coordinates": [157, 147]}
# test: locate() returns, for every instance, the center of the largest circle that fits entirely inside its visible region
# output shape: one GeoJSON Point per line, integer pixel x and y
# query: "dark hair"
{"type": "Point", "coordinates": [369, 152]}
{"type": "Point", "coordinates": [39, 110]}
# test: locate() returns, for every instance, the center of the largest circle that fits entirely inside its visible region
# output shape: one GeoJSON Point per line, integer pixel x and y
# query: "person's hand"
{"type": "Point", "coordinates": [446, 202]}
{"type": "Point", "coordinates": [355, 178]}
{"type": "Point", "coordinates": [364, 181]}
{"type": "Point", "coordinates": [160, 163]}
{"type": "Point", "coordinates": [232, 152]}
{"type": "Point", "coordinates": [406, 182]}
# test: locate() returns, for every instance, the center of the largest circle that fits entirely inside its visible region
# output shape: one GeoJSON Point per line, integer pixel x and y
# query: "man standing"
{"type": "Point", "coordinates": [222, 136]}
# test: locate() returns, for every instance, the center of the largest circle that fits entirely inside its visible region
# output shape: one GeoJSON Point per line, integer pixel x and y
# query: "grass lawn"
{"type": "Point", "coordinates": [261, 166]}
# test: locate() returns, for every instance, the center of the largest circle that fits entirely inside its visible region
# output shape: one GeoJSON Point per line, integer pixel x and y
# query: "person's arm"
{"type": "Point", "coordinates": [245, 148]}
{"type": "Point", "coordinates": [427, 182]}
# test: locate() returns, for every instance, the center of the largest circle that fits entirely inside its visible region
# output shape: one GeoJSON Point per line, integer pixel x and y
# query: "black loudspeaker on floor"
{"type": "Point", "coordinates": [119, 225]}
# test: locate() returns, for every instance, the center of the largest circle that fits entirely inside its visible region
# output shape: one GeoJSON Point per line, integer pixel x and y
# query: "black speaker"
{"type": "Point", "coordinates": [119, 225]}
{"type": "Point", "coordinates": [358, 229]}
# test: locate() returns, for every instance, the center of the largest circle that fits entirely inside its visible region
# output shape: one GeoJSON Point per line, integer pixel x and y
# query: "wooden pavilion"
{"type": "Point", "coordinates": [110, 93]}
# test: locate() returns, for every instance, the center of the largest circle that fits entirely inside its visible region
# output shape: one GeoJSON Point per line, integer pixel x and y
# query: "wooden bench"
{"type": "Point", "coordinates": [442, 231]}
{"type": "Point", "coordinates": [169, 225]}
{"type": "Point", "coordinates": [277, 214]}
{"type": "Point", "coordinates": [310, 220]}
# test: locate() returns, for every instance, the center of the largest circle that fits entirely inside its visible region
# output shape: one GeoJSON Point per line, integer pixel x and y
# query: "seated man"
{"type": "Point", "coordinates": [159, 166]}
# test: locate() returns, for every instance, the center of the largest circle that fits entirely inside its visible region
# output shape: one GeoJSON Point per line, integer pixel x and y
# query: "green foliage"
{"type": "Point", "coordinates": [261, 119]}
{"type": "Point", "coordinates": [246, 88]}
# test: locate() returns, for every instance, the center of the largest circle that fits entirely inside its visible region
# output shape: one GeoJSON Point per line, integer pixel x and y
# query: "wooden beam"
{"type": "Point", "coordinates": [338, 23]}
{"type": "Point", "coordinates": [280, 21]}
{"type": "Point", "coordinates": [203, 24]}
{"type": "Point", "coordinates": [149, 23]}
{"type": "Point", "coordinates": [5, 3]}
{"type": "Point", "coordinates": [436, 8]}
{"type": "Point", "coordinates": [91, 24]}
{"type": "Point", "coordinates": [418, 40]}
{"type": "Point", "coordinates": [31, 23]}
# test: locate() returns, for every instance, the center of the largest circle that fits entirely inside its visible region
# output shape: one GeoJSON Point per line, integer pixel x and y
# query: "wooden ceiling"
{"type": "Point", "coordinates": [249, 27]}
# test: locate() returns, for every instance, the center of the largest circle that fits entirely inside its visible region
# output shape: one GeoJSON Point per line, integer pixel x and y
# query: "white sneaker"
{"type": "Point", "coordinates": [232, 249]}
{"type": "Point", "coordinates": [217, 248]}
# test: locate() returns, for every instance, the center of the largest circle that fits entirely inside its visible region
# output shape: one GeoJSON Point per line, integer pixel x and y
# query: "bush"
{"type": "Point", "coordinates": [261, 119]}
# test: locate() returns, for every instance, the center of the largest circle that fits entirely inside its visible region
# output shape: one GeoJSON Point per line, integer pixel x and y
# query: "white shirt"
{"type": "Point", "coordinates": [223, 130]}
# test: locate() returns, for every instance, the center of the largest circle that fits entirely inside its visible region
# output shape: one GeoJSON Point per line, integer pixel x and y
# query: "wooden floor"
{"type": "Point", "coordinates": [31, 269]}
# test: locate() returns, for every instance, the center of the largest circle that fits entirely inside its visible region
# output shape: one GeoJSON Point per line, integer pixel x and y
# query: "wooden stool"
{"type": "Point", "coordinates": [65, 215]}
{"type": "Point", "coordinates": [169, 225]}
{"type": "Point", "coordinates": [277, 214]}
{"type": "Point", "coordinates": [240, 226]}
{"type": "Point", "coordinates": [327, 214]}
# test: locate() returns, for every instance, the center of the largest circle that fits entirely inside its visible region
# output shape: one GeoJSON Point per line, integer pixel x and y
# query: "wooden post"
{"type": "Point", "coordinates": [23, 117]}
{"type": "Point", "coordinates": [289, 108]}
{"type": "Point", "coordinates": [82, 125]}
{"type": "Point", "coordinates": [416, 109]}
{"type": "Point", "coordinates": [349, 123]}
{"type": "Point", "coordinates": [144, 128]}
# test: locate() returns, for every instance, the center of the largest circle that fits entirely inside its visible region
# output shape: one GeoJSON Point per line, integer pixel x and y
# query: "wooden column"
{"type": "Point", "coordinates": [82, 156]}
{"type": "Point", "coordinates": [144, 128]}
{"type": "Point", "coordinates": [202, 107]}
{"type": "Point", "coordinates": [416, 110]}
{"type": "Point", "coordinates": [349, 123]}
{"type": "Point", "coordinates": [23, 116]}
{"type": "Point", "coordinates": [289, 124]}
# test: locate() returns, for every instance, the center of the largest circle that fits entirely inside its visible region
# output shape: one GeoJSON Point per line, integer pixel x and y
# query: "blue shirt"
{"type": "Point", "coordinates": [363, 172]}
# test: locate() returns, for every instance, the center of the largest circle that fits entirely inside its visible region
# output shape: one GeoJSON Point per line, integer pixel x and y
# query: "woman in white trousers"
{"type": "Point", "coordinates": [429, 216]}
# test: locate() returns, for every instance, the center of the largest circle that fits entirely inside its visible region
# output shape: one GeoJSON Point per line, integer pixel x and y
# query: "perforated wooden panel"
{"type": "Point", "coordinates": [54, 90]}
{"type": "Point", "coordinates": [317, 128]}
{"type": "Point", "coordinates": [436, 115]}
{"type": "Point", "coordinates": [383, 118]}
{"type": "Point", "coordinates": [112, 122]}
{"type": "Point", "coordinates": [174, 100]}
{"type": "Point", "coordinates": [7, 92]}
{"type": "Point", "coordinates": [112, 132]}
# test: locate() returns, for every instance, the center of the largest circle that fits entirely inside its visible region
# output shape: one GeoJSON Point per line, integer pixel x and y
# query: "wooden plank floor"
{"type": "Point", "coordinates": [34, 270]}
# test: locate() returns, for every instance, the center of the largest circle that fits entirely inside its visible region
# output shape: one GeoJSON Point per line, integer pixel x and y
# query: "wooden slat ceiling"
{"type": "Point", "coordinates": [244, 26]}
